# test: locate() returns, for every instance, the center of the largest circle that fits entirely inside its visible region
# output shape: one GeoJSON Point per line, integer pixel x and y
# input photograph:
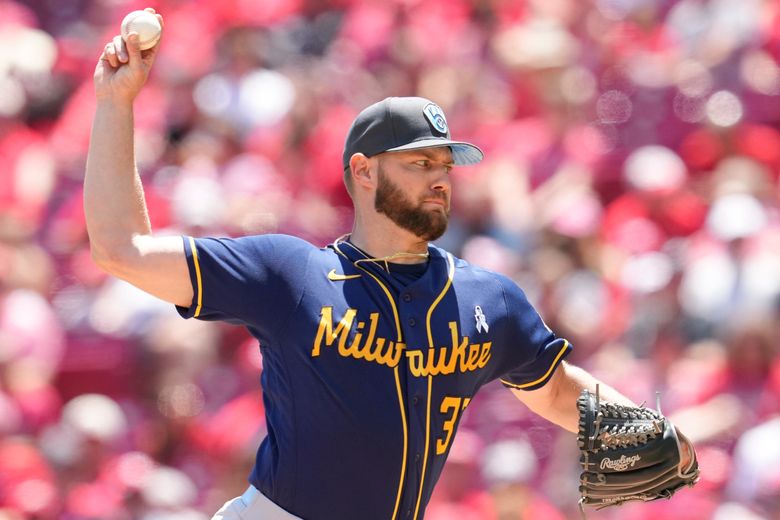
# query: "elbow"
{"type": "Point", "coordinates": [111, 260]}
{"type": "Point", "coordinates": [102, 258]}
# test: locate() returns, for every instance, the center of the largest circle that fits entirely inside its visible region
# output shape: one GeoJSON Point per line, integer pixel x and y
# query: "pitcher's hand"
{"type": "Point", "coordinates": [123, 68]}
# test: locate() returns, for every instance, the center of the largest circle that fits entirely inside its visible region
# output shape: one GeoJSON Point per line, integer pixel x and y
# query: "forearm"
{"type": "Point", "coordinates": [113, 195]}
{"type": "Point", "coordinates": [557, 400]}
{"type": "Point", "coordinates": [573, 382]}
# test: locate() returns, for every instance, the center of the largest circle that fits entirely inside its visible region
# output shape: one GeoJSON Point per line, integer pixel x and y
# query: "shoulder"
{"type": "Point", "coordinates": [468, 271]}
{"type": "Point", "coordinates": [274, 241]}
{"type": "Point", "coordinates": [483, 280]}
{"type": "Point", "coordinates": [255, 253]}
{"type": "Point", "coordinates": [259, 245]}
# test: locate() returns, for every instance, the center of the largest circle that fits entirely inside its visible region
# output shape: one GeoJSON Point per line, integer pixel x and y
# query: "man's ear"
{"type": "Point", "coordinates": [361, 171]}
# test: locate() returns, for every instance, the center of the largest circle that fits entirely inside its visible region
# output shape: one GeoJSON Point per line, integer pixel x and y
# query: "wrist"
{"type": "Point", "coordinates": [114, 104]}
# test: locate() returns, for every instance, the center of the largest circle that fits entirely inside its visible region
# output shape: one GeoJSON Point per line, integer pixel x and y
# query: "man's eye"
{"type": "Point", "coordinates": [424, 163]}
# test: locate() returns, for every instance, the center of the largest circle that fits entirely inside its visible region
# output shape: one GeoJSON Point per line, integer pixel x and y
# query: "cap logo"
{"type": "Point", "coordinates": [436, 116]}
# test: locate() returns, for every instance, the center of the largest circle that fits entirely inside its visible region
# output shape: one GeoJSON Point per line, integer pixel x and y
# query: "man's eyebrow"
{"type": "Point", "coordinates": [429, 154]}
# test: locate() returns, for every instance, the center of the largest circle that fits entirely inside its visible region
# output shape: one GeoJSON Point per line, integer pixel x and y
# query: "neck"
{"type": "Point", "coordinates": [389, 241]}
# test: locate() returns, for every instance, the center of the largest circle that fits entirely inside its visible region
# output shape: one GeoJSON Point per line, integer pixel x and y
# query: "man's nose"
{"type": "Point", "coordinates": [442, 181]}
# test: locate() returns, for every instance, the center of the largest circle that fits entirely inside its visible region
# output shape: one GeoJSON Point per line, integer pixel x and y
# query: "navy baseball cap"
{"type": "Point", "coordinates": [404, 123]}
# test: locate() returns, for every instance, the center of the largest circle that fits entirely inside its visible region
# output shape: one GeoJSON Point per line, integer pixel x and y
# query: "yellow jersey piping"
{"type": "Point", "coordinates": [196, 263]}
{"type": "Point", "coordinates": [450, 275]}
{"type": "Point", "coordinates": [546, 375]}
{"type": "Point", "coordinates": [397, 381]}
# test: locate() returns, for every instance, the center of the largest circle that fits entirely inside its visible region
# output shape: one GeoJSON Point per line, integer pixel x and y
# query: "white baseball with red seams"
{"type": "Point", "coordinates": [146, 25]}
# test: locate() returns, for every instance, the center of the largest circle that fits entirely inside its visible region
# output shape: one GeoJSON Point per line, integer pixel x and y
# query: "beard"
{"type": "Point", "coordinates": [391, 200]}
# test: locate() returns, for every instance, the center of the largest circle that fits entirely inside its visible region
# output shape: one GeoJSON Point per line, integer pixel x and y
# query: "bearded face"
{"type": "Point", "coordinates": [406, 213]}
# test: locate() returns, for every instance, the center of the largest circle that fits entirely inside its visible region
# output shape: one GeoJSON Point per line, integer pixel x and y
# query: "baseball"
{"type": "Point", "coordinates": [146, 25]}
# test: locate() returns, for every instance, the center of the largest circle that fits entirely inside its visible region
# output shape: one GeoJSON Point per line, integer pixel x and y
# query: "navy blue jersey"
{"type": "Point", "coordinates": [365, 375]}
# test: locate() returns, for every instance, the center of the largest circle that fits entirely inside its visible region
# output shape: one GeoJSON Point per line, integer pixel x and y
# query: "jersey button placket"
{"type": "Point", "coordinates": [417, 391]}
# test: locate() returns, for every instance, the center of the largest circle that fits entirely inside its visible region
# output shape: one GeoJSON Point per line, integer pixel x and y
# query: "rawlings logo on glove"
{"type": "Point", "coordinates": [622, 464]}
{"type": "Point", "coordinates": [629, 453]}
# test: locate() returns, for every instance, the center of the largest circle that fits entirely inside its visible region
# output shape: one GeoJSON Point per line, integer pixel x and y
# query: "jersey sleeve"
{"type": "Point", "coordinates": [535, 349]}
{"type": "Point", "coordinates": [252, 281]}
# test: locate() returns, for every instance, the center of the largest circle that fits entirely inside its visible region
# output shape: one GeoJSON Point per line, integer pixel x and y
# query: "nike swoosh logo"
{"type": "Point", "coordinates": [335, 277]}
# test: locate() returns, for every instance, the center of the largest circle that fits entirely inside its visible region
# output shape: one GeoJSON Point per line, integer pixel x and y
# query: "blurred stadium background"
{"type": "Point", "coordinates": [630, 187]}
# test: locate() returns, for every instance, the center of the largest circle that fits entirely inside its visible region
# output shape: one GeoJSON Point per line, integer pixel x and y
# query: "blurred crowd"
{"type": "Point", "coordinates": [630, 187]}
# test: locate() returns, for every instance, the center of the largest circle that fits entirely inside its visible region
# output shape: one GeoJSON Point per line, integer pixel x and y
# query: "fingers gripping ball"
{"type": "Point", "coordinates": [146, 25]}
{"type": "Point", "coordinates": [629, 453]}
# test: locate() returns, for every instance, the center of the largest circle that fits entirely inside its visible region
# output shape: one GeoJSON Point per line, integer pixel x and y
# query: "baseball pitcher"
{"type": "Point", "coordinates": [374, 345]}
